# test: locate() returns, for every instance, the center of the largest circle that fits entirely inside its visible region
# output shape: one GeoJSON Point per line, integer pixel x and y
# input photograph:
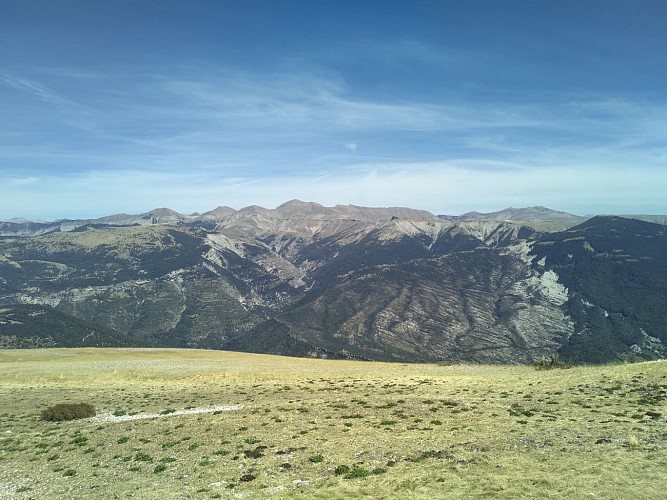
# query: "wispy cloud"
{"type": "Point", "coordinates": [213, 138]}
{"type": "Point", "coordinates": [55, 110]}
{"type": "Point", "coordinates": [407, 52]}
{"type": "Point", "coordinates": [33, 88]}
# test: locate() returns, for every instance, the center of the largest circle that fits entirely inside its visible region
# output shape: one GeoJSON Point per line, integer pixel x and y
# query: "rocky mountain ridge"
{"type": "Point", "coordinates": [343, 281]}
{"type": "Point", "coordinates": [538, 217]}
{"type": "Point", "coordinates": [286, 211]}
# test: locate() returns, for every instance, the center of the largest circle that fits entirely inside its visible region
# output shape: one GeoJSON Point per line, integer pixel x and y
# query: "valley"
{"type": "Point", "coordinates": [343, 282]}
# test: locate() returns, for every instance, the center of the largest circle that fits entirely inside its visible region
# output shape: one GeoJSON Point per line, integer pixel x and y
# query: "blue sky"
{"type": "Point", "coordinates": [449, 106]}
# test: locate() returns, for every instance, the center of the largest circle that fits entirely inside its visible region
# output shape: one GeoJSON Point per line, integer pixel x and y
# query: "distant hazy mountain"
{"type": "Point", "coordinates": [655, 219]}
{"type": "Point", "coordinates": [343, 281]}
{"type": "Point", "coordinates": [540, 218]}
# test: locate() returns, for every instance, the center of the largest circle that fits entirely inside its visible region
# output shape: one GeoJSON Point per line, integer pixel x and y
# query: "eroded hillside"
{"type": "Point", "coordinates": [307, 280]}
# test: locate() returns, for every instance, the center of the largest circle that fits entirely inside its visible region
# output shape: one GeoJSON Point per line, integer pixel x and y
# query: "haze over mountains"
{"type": "Point", "coordinates": [343, 281]}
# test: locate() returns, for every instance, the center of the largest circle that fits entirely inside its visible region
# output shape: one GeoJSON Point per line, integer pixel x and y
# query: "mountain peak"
{"type": "Point", "coordinates": [294, 207]}
{"type": "Point", "coordinates": [163, 212]}
{"type": "Point", "coordinates": [528, 214]}
{"type": "Point", "coordinates": [298, 203]}
{"type": "Point", "coordinates": [219, 212]}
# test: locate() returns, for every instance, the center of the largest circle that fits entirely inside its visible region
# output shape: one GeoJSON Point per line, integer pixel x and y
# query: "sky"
{"type": "Point", "coordinates": [449, 106]}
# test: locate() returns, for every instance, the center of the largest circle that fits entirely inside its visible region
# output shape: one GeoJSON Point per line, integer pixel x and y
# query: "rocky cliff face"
{"type": "Point", "coordinates": [308, 280]}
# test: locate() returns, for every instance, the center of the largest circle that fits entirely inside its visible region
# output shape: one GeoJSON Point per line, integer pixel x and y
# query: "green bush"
{"type": "Point", "coordinates": [68, 411]}
{"type": "Point", "coordinates": [159, 468]}
{"type": "Point", "coordinates": [342, 469]}
{"type": "Point", "coordinates": [356, 473]}
{"type": "Point", "coordinates": [140, 456]}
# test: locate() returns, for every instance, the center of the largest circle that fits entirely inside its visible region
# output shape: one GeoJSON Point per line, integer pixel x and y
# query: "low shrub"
{"type": "Point", "coordinates": [550, 362]}
{"type": "Point", "coordinates": [356, 473]}
{"type": "Point", "coordinates": [342, 469]}
{"type": "Point", "coordinates": [140, 456]}
{"type": "Point", "coordinates": [68, 411]}
{"type": "Point", "coordinates": [79, 440]}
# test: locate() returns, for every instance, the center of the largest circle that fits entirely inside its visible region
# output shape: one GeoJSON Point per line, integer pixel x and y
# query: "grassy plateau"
{"type": "Point", "coordinates": [326, 429]}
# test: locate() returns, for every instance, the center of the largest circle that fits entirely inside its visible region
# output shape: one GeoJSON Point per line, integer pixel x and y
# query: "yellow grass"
{"type": "Point", "coordinates": [418, 431]}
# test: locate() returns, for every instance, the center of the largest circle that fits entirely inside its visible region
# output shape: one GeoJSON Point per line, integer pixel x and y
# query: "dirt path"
{"type": "Point", "coordinates": [108, 417]}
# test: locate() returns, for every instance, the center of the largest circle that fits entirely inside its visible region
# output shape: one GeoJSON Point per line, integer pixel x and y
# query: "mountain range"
{"type": "Point", "coordinates": [343, 282]}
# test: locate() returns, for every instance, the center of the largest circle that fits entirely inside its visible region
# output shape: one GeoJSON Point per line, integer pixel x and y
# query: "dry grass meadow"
{"type": "Point", "coordinates": [327, 429]}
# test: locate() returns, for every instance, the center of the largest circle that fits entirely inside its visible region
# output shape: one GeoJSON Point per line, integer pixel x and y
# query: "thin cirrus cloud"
{"type": "Point", "coordinates": [207, 140]}
{"type": "Point", "coordinates": [304, 107]}
{"type": "Point", "coordinates": [445, 106]}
